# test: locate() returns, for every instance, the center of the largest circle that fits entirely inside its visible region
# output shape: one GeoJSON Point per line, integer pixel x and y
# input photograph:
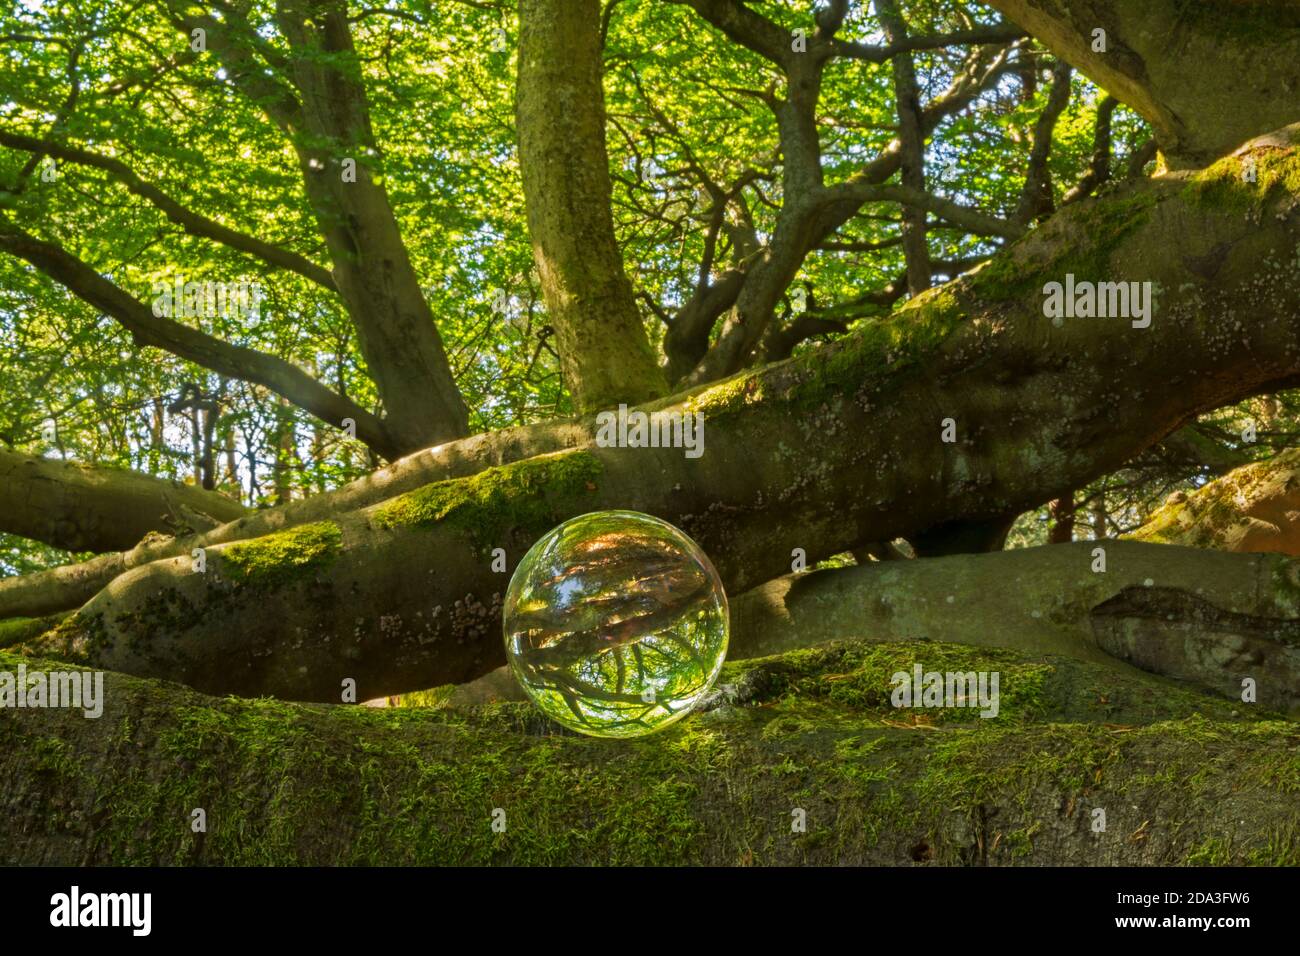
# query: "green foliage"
{"type": "Point", "coordinates": [687, 122]}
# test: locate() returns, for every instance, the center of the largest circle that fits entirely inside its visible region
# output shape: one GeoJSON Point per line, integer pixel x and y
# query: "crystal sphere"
{"type": "Point", "coordinates": [615, 624]}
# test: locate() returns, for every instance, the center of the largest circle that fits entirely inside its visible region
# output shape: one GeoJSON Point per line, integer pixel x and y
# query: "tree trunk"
{"type": "Point", "coordinates": [317, 97]}
{"type": "Point", "coordinates": [1061, 513]}
{"type": "Point", "coordinates": [372, 268]}
{"type": "Point", "coordinates": [604, 353]}
{"type": "Point", "coordinates": [1154, 59]}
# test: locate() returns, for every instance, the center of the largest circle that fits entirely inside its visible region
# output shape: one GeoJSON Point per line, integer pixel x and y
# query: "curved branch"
{"type": "Point", "coordinates": [979, 351]}
{"type": "Point", "coordinates": [192, 222]}
{"type": "Point", "coordinates": [235, 361]}
{"type": "Point", "coordinates": [972, 220]}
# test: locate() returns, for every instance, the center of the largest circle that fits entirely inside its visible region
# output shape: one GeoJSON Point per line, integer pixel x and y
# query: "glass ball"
{"type": "Point", "coordinates": [615, 624]}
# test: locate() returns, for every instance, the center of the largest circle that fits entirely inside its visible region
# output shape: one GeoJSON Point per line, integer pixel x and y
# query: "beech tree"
{"type": "Point", "coordinates": [828, 229]}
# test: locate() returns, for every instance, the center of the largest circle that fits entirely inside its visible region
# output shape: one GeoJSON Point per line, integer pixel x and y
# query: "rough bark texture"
{"type": "Point", "coordinates": [800, 454]}
{"type": "Point", "coordinates": [82, 507]}
{"type": "Point", "coordinates": [1253, 508]}
{"type": "Point", "coordinates": [1156, 57]}
{"type": "Point", "coordinates": [1181, 778]}
{"type": "Point", "coordinates": [372, 267]}
{"type": "Point", "coordinates": [70, 586]}
{"type": "Point", "coordinates": [604, 353]}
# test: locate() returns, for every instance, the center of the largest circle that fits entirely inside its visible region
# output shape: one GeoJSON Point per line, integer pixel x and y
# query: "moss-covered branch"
{"type": "Point", "coordinates": [822, 452]}
{"type": "Point", "coordinates": [1253, 508]}
{"type": "Point", "coordinates": [1181, 778]}
{"type": "Point", "coordinates": [1210, 618]}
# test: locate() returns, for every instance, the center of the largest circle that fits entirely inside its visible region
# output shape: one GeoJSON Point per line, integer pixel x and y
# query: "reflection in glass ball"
{"type": "Point", "coordinates": [616, 624]}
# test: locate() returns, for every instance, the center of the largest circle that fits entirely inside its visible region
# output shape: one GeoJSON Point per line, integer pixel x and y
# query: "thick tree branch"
{"type": "Point", "coordinates": [747, 27]}
{"type": "Point", "coordinates": [1253, 508]}
{"type": "Point", "coordinates": [882, 53]}
{"type": "Point", "coordinates": [80, 507]}
{"type": "Point", "coordinates": [979, 351]}
{"type": "Point", "coordinates": [972, 220]}
{"type": "Point", "coordinates": [120, 789]}
{"type": "Point", "coordinates": [315, 95]}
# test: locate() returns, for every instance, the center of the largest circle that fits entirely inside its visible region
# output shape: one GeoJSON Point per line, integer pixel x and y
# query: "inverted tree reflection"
{"type": "Point", "coordinates": [620, 625]}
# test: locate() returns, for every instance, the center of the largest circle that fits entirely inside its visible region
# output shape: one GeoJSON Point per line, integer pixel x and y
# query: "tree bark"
{"type": "Point", "coordinates": [605, 355]}
{"type": "Point", "coordinates": [68, 587]}
{"type": "Point", "coordinates": [82, 507]}
{"type": "Point", "coordinates": [1203, 617]}
{"type": "Point", "coordinates": [1253, 508]}
{"type": "Point", "coordinates": [911, 138]}
{"type": "Point", "coordinates": [316, 96]}
{"type": "Point", "coordinates": [372, 268]}
{"type": "Point", "coordinates": [811, 732]}
{"type": "Point", "coordinates": [1155, 59]}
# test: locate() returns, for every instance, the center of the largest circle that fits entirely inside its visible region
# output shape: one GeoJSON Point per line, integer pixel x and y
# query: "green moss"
{"type": "Point", "coordinates": [433, 697]}
{"type": "Point", "coordinates": [286, 783]}
{"type": "Point", "coordinates": [274, 560]}
{"type": "Point", "coordinates": [861, 677]}
{"type": "Point", "coordinates": [1187, 521]}
{"type": "Point", "coordinates": [17, 630]}
{"type": "Point", "coordinates": [880, 347]}
{"type": "Point", "coordinates": [1263, 21]}
{"type": "Point", "coordinates": [1221, 185]}
{"type": "Point", "coordinates": [77, 637]}
{"type": "Point", "coordinates": [1206, 517]}
{"type": "Point", "coordinates": [727, 396]}
{"type": "Point", "coordinates": [529, 496]}
{"type": "Point", "coordinates": [1103, 224]}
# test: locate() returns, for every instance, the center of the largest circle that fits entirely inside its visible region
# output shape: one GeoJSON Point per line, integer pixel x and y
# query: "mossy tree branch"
{"type": "Point", "coordinates": [1253, 508]}
{"type": "Point", "coordinates": [804, 453]}
{"type": "Point", "coordinates": [82, 507]}
{"type": "Point", "coordinates": [1180, 778]}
